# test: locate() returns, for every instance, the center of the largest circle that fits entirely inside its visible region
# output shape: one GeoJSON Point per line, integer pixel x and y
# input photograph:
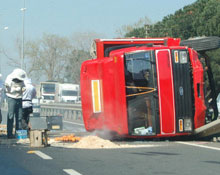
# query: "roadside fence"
{"type": "Point", "coordinates": [68, 111]}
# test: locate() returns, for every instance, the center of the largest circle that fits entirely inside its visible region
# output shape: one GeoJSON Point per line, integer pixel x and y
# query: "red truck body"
{"type": "Point", "coordinates": [136, 83]}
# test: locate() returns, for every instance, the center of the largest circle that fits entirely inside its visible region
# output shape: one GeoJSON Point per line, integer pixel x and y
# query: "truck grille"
{"type": "Point", "coordinates": [182, 87]}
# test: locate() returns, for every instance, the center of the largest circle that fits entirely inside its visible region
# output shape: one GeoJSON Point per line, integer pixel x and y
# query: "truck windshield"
{"type": "Point", "coordinates": [48, 88]}
{"type": "Point", "coordinates": [48, 97]}
{"type": "Point", "coordinates": [69, 93]}
{"type": "Point", "coordinates": [140, 86]}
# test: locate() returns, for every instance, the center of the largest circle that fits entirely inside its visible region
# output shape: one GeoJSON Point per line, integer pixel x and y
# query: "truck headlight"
{"type": "Point", "coordinates": [183, 57]}
{"type": "Point", "coordinates": [187, 124]}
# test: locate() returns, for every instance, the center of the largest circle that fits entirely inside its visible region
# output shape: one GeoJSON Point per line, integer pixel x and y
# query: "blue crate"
{"type": "Point", "coordinates": [21, 134]}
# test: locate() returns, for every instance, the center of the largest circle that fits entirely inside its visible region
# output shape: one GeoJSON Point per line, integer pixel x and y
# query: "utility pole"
{"type": "Point", "coordinates": [1, 50]}
{"type": "Point", "coordinates": [22, 44]}
{"type": "Point", "coordinates": [147, 30]}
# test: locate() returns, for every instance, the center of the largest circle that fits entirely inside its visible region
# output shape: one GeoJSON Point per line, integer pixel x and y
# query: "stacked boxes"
{"type": "Point", "coordinates": [21, 134]}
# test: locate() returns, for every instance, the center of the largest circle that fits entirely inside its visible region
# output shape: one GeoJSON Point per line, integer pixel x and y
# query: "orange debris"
{"type": "Point", "coordinates": [68, 138]}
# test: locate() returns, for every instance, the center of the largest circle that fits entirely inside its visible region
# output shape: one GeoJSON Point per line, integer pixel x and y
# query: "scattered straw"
{"type": "Point", "coordinates": [94, 142]}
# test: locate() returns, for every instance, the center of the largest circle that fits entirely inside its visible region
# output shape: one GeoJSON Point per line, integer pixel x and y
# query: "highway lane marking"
{"type": "Point", "coordinates": [71, 172]}
{"type": "Point", "coordinates": [40, 154]}
{"type": "Point", "coordinates": [73, 123]}
{"type": "Point", "coordinates": [202, 146]}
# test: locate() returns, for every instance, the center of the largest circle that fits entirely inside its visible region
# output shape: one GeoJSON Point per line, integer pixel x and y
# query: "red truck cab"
{"type": "Point", "coordinates": [151, 87]}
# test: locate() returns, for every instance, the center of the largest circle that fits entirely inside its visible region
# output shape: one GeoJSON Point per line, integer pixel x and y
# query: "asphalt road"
{"type": "Point", "coordinates": [185, 158]}
{"type": "Point", "coordinates": [164, 157]}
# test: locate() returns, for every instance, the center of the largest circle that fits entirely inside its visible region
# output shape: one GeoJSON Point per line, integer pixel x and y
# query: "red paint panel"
{"type": "Point", "coordinates": [200, 108]}
{"type": "Point", "coordinates": [102, 44]}
{"type": "Point", "coordinates": [110, 73]}
{"type": "Point", "coordinates": [165, 92]}
{"type": "Point", "coordinates": [89, 71]}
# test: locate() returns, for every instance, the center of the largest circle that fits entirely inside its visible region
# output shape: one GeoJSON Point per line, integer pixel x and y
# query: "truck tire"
{"type": "Point", "coordinates": [201, 44]}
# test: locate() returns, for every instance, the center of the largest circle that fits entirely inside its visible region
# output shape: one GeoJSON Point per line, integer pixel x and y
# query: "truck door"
{"type": "Point", "coordinates": [140, 90]}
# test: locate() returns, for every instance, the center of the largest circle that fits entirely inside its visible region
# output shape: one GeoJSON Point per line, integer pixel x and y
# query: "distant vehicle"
{"type": "Point", "coordinates": [68, 93]}
{"type": "Point", "coordinates": [36, 107]}
{"type": "Point", "coordinates": [78, 99]}
{"type": "Point", "coordinates": [49, 92]}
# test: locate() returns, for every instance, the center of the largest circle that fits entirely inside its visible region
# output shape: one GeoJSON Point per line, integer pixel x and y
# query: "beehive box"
{"type": "Point", "coordinates": [38, 138]}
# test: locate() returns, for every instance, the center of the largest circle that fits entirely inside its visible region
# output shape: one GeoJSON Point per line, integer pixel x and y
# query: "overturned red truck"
{"type": "Point", "coordinates": [149, 87]}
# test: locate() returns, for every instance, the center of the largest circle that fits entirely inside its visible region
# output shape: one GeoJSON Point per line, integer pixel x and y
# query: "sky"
{"type": "Point", "coordinates": [66, 17]}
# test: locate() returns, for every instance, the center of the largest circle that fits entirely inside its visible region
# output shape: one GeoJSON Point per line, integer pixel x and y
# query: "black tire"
{"type": "Point", "coordinates": [202, 43]}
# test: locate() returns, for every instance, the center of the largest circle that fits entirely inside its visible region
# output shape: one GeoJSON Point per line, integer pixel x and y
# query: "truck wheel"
{"type": "Point", "coordinates": [202, 43]}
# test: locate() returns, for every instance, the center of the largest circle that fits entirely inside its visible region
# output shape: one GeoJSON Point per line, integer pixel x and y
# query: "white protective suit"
{"type": "Point", "coordinates": [13, 89]}
{"type": "Point", "coordinates": [29, 93]}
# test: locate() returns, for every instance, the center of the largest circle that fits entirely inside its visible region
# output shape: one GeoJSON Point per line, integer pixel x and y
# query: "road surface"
{"type": "Point", "coordinates": [197, 158]}
{"type": "Point", "coordinates": [161, 157]}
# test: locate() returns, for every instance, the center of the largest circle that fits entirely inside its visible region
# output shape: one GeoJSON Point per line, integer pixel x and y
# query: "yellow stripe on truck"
{"type": "Point", "coordinates": [96, 96]}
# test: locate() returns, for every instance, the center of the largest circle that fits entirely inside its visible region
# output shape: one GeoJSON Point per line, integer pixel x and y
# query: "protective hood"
{"type": "Point", "coordinates": [19, 74]}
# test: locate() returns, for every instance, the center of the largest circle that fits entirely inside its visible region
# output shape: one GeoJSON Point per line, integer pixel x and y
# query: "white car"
{"type": "Point", "coordinates": [218, 103]}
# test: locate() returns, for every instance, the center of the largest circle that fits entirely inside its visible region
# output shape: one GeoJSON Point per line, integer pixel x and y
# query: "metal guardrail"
{"type": "Point", "coordinates": [68, 111]}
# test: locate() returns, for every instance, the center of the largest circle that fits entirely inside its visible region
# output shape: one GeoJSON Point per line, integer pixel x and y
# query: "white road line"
{"type": "Point", "coordinates": [42, 155]}
{"type": "Point", "coordinates": [74, 123]}
{"type": "Point", "coordinates": [202, 146]}
{"type": "Point", "coordinates": [71, 172]}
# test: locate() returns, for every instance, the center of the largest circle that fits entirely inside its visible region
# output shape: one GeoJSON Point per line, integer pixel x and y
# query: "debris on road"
{"type": "Point", "coordinates": [68, 138]}
{"type": "Point", "coordinates": [95, 142]}
{"type": "Point", "coordinates": [72, 141]}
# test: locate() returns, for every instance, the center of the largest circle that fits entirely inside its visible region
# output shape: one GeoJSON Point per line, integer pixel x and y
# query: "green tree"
{"type": "Point", "coordinates": [201, 18]}
{"type": "Point", "coordinates": [215, 64]}
{"type": "Point", "coordinates": [134, 30]}
{"type": "Point", "coordinates": [138, 32]}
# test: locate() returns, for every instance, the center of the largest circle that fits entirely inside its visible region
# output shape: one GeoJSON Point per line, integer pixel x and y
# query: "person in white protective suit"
{"type": "Point", "coordinates": [14, 87]}
{"type": "Point", "coordinates": [28, 95]}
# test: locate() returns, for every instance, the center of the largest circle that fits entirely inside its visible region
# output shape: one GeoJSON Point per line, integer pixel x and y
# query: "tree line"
{"type": "Point", "coordinates": [53, 57]}
{"type": "Point", "coordinates": [201, 18]}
